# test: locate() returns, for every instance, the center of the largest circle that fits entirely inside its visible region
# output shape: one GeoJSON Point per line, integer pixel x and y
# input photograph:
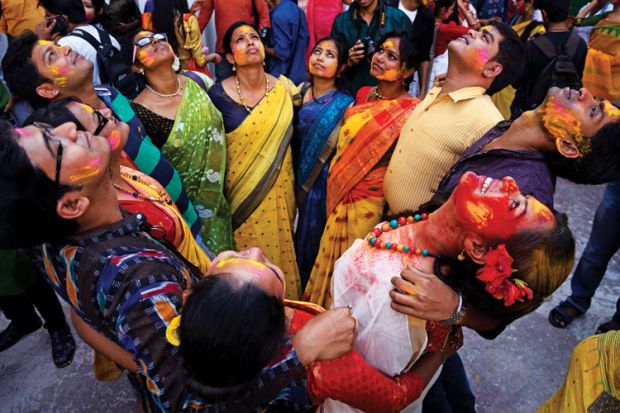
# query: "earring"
{"type": "Point", "coordinates": [461, 256]}
{"type": "Point", "coordinates": [234, 69]}
{"type": "Point", "coordinates": [141, 71]}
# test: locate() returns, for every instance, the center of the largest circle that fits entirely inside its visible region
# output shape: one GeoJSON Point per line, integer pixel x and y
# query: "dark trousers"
{"type": "Point", "coordinates": [451, 392]}
{"type": "Point", "coordinates": [20, 309]}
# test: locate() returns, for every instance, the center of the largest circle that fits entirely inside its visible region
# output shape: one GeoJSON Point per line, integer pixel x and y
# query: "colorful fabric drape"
{"type": "Point", "coordinates": [355, 200]}
{"type": "Point", "coordinates": [316, 129]}
{"type": "Point", "coordinates": [601, 75]}
{"type": "Point", "coordinates": [259, 182]}
{"type": "Point", "coordinates": [592, 383]}
{"type": "Point", "coordinates": [503, 99]}
{"type": "Point", "coordinates": [197, 149]}
{"type": "Point", "coordinates": [166, 220]}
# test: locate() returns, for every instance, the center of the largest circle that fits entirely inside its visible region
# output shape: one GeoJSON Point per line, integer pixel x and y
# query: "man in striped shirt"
{"type": "Point", "coordinates": [452, 116]}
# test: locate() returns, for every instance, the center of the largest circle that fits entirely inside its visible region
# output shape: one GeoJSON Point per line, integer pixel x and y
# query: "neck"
{"type": "Point", "coordinates": [115, 169]}
{"type": "Point", "coordinates": [410, 5]}
{"type": "Point", "coordinates": [558, 27]}
{"type": "Point", "coordinates": [390, 89]}
{"type": "Point", "coordinates": [251, 76]}
{"type": "Point", "coordinates": [163, 80]}
{"type": "Point", "coordinates": [367, 11]}
{"type": "Point", "coordinates": [459, 77]}
{"type": "Point", "coordinates": [103, 211]}
{"type": "Point", "coordinates": [86, 93]}
{"type": "Point", "coordinates": [321, 85]}
{"type": "Point", "coordinates": [525, 133]}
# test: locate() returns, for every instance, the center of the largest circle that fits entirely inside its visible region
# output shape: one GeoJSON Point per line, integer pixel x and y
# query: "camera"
{"type": "Point", "coordinates": [61, 25]}
{"type": "Point", "coordinates": [369, 46]}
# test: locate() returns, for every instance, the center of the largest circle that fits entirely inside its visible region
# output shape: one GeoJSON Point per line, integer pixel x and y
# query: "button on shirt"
{"type": "Point", "coordinates": [441, 127]}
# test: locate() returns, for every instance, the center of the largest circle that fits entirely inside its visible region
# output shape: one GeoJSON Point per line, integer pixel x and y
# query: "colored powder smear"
{"type": "Point", "coordinates": [60, 75]}
{"type": "Point", "coordinates": [114, 139]}
{"type": "Point", "coordinates": [45, 43]}
{"type": "Point", "coordinates": [87, 108]}
{"type": "Point", "coordinates": [562, 122]}
{"type": "Point", "coordinates": [22, 132]}
{"type": "Point", "coordinates": [611, 110]}
{"type": "Point", "coordinates": [235, 260]}
{"type": "Point", "coordinates": [390, 75]}
{"type": "Point", "coordinates": [93, 168]}
{"type": "Point", "coordinates": [478, 58]}
{"type": "Point", "coordinates": [146, 57]}
{"type": "Point", "coordinates": [240, 53]}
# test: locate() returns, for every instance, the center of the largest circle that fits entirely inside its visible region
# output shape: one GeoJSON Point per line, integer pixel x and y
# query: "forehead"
{"type": "Point", "coordinates": [392, 43]}
{"type": "Point", "coordinates": [327, 45]}
{"type": "Point", "coordinates": [244, 30]}
{"type": "Point", "coordinates": [40, 48]}
{"type": "Point", "coordinates": [142, 34]}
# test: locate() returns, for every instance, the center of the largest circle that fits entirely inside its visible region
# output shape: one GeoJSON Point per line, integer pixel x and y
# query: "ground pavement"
{"type": "Point", "coordinates": [512, 374]}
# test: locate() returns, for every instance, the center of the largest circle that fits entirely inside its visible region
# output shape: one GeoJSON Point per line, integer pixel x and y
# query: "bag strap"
{"type": "Point", "coordinates": [196, 78]}
{"type": "Point", "coordinates": [572, 43]}
{"type": "Point", "coordinates": [546, 46]}
{"type": "Point", "coordinates": [88, 37]}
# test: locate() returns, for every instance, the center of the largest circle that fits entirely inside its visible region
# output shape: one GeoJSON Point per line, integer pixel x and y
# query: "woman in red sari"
{"type": "Point", "coordinates": [355, 200]}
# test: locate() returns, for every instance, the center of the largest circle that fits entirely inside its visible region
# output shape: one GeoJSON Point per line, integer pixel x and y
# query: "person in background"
{"type": "Point", "coordinates": [227, 12]}
{"type": "Point", "coordinates": [289, 40]}
{"type": "Point", "coordinates": [320, 16]}
{"type": "Point", "coordinates": [317, 125]}
{"type": "Point", "coordinates": [361, 27]}
{"type": "Point", "coordinates": [17, 16]}
{"type": "Point", "coordinates": [491, 10]}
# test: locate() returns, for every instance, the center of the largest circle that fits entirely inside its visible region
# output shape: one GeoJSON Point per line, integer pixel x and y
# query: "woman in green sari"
{"type": "Point", "coordinates": [181, 120]}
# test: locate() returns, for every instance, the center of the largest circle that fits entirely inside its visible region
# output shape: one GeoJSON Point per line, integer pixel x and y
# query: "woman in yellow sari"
{"type": "Point", "coordinates": [355, 200]}
{"type": "Point", "coordinates": [258, 112]}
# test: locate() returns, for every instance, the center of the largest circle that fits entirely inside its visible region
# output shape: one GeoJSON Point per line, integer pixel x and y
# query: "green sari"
{"type": "Point", "coordinates": [196, 147]}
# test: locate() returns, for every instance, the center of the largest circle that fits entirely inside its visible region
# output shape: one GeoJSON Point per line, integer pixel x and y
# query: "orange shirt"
{"type": "Point", "coordinates": [19, 16]}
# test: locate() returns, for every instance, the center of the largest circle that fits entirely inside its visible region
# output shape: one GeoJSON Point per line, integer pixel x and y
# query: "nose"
{"type": "Point", "coordinates": [585, 95]}
{"type": "Point", "coordinates": [66, 50]}
{"type": "Point", "coordinates": [255, 253]}
{"type": "Point", "coordinates": [67, 130]}
{"type": "Point", "coordinates": [107, 113]}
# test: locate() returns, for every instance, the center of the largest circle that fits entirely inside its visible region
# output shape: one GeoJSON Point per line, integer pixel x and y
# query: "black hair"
{"type": "Point", "coordinates": [409, 54]}
{"type": "Point", "coordinates": [600, 165]}
{"type": "Point", "coordinates": [20, 73]}
{"type": "Point", "coordinates": [73, 9]}
{"type": "Point", "coordinates": [226, 39]}
{"type": "Point", "coordinates": [29, 197]}
{"type": "Point", "coordinates": [511, 55]}
{"type": "Point", "coordinates": [556, 10]}
{"type": "Point", "coordinates": [439, 4]}
{"type": "Point", "coordinates": [230, 330]}
{"type": "Point", "coordinates": [55, 114]}
{"type": "Point", "coordinates": [341, 83]}
{"type": "Point", "coordinates": [165, 18]}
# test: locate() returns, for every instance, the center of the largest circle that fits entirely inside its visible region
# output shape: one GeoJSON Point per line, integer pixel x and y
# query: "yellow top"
{"type": "Point", "coordinates": [440, 128]}
{"type": "Point", "coordinates": [19, 16]}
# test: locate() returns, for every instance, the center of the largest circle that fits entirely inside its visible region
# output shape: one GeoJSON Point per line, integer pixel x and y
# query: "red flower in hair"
{"type": "Point", "coordinates": [496, 273]}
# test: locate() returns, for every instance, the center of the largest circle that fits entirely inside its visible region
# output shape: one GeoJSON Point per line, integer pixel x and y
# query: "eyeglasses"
{"type": "Point", "coordinates": [102, 121]}
{"type": "Point", "coordinates": [147, 40]}
{"type": "Point", "coordinates": [49, 135]}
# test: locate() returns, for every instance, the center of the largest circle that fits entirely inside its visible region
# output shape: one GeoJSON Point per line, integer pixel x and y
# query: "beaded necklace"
{"type": "Point", "coordinates": [162, 195]}
{"type": "Point", "coordinates": [241, 99]}
{"type": "Point", "coordinates": [374, 236]}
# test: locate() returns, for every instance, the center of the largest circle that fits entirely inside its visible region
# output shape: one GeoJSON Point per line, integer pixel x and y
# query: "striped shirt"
{"type": "Point", "coordinates": [440, 128]}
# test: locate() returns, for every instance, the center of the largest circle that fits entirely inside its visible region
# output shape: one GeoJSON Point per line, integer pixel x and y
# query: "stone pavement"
{"type": "Point", "coordinates": [512, 374]}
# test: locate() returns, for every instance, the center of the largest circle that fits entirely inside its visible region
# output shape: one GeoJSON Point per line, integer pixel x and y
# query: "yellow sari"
{"type": "Point", "coordinates": [355, 200]}
{"type": "Point", "coordinates": [592, 383]}
{"type": "Point", "coordinates": [601, 75]}
{"type": "Point", "coordinates": [259, 182]}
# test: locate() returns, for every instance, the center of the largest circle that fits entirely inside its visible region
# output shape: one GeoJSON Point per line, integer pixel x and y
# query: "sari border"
{"type": "Point", "coordinates": [330, 145]}
{"type": "Point", "coordinates": [258, 194]}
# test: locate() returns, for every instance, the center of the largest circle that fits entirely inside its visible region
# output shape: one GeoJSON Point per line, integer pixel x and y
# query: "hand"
{"type": "Point", "coordinates": [440, 80]}
{"type": "Point", "coordinates": [198, 4]}
{"type": "Point", "coordinates": [327, 336]}
{"type": "Point", "coordinates": [214, 57]}
{"type": "Point", "coordinates": [44, 30]}
{"type": "Point", "coordinates": [423, 296]}
{"type": "Point", "coordinates": [356, 53]}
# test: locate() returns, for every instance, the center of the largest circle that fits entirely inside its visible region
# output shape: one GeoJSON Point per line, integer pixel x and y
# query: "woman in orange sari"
{"type": "Point", "coordinates": [355, 200]}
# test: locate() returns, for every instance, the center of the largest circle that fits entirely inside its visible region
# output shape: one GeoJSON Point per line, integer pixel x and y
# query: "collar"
{"type": "Point", "coordinates": [465, 93]}
{"type": "Point", "coordinates": [129, 224]}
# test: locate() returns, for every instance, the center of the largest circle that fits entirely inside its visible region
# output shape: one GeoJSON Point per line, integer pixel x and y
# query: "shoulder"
{"type": "Point", "coordinates": [362, 94]}
{"type": "Point", "coordinates": [398, 15]}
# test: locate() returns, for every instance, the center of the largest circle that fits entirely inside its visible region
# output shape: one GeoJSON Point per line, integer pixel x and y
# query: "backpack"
{"type": "Point", "coordinates": [112, 68]}
{"type": "Point", "coordinates": [560, 71]}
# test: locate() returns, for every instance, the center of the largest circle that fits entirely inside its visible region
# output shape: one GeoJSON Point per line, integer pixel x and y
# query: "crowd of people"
{"type": "Point", "coordinates": [305, 217]}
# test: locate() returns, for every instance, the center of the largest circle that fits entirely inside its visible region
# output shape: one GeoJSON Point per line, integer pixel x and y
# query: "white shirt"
{"type": "Point", "coordinates": [410, 14]}
{"type": "Point", "coordinates": [85, 49]}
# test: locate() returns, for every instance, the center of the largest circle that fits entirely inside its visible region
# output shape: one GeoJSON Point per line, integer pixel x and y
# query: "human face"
{"type": "Point", "coordinates": [62, 65]}
{"type": "Point", "coordinates": [151, 48]}
{"type": "Point", "coordinates": [386, 63]}
{"type": "Point", "coordinates": [89, 10]}
{"type": "Point", "coordinates": [476, 48]}
{"type": "Point", "coordinates": [495, 209]}
{"type": "Point", "coordinates": [85, 157]}
{"type": "Point", "coordinates": [247, 48]}
{"type": "Point", "coordinates": [575, 114]}
{"type": "Point", "coordinates": [252, 266]}
{"type": "Point", "coordinates": [323, 61]}
{"type": "Point", "coordinates": [113, 130]}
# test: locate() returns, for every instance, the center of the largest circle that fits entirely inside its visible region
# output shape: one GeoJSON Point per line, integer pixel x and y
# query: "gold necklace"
{"type": "Point", "coordinates": [241, 99]}
{"type": "Point", "coordinates": [162, 195]}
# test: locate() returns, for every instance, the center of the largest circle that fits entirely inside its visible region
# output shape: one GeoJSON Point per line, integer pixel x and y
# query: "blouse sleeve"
{"type": "Point", "coordinates": [193, 40]}
{"type": "Point", "coordinates": [351, 380]}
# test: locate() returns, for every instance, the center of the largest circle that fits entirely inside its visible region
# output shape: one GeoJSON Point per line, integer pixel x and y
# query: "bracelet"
{"type": "Point", "coordinates": [457, 315]}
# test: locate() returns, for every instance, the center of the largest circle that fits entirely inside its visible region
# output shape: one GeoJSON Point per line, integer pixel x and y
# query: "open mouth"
{"type": "Point", "coordinates": [486, 184]}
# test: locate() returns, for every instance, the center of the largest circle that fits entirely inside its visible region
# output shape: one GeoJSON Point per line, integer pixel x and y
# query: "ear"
{"type": "Point", "coordinates": [230, 58]}
{"type": "Point", "coordinates": [48, 91]}
{"type": "Point", "coordinates": [567, 148]}
{"type": "Point", "coordinates": [72, 205]}
{"type": "Point", "coordinates": [492, 69]}
{"type": "Point", "coordinates": [476, 248]}
{"type": "Point", "coordinates": [407, 73]}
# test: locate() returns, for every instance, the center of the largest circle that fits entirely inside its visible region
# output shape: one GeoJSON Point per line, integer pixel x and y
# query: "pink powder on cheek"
{"type": "Point", "coordinates": [60, 75]}
{"type": "Point", "coordinates": [146, 57]}
{"type": "Point", "coordinates": [114, 139]}
{"type": "Point", "coordinates": [22, 132]}
{"type": "Point", "coordinates": [478, 58]}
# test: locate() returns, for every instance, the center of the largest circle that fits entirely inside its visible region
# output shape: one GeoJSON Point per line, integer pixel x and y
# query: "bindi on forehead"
{"type": "Point", "coordinates": [389, 43]}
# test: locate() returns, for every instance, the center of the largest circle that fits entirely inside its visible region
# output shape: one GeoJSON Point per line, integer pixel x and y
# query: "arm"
{"type": "Point", "coordinates": [590, 9]}
{"type": "Point", "coordinates": [424, 73]}
{"type": "Point", "coordinates": [195, 41]}
{"type": "Point", "coordinates": [206, 10]}
{"type": "Point", "coordinates": [263, 14]}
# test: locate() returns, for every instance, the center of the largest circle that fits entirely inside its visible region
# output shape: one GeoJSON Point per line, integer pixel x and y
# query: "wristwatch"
{"type": "Point", "coordinates": [457, 315]}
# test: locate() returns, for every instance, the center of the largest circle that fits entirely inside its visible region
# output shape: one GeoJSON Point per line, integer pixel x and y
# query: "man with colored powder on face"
{"type": "Point", "coordinates": [58, 194]}
{"type": "Point", "coordinates": [39, 71]}
{"type": "Point", "coordinates": [453, 116]}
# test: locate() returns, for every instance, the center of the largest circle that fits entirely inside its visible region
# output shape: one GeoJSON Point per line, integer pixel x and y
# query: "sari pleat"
{"type": "Point", "coordinates": [197, 148]}
{"type": "Point", "coordinates": [355, 200]}
{"type": "Point", "coordinates": [601, 75]}
{"type": "Point", "coordinates": [259, 183]}
{"type": "Point", "coordinates": [317, 128]}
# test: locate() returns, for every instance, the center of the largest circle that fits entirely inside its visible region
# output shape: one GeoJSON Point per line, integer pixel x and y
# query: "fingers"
{"type": "Point", "coordinates": [407, 287]}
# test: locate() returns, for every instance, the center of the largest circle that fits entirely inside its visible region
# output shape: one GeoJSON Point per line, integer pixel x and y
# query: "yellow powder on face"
{"type": "Point", "coordinates": [146, 57]}
{"type": "Point", "coordinates": [562, 122]}
{"type": "Point", "coordinates": [235, 260]}
{"type": "Point", "coordinates": [479, 214]}
{"type": "Point", "coordinates": [45, 43]}
{"type": "Point", "coordinates": [611, 110]}
{"type": "Point", "coordinates": [93, 168]}
{"type": "Point", "coordinates": [388, 44]}
{"type": "Point", "coordinates": [59, 75]}
{"type": "Point", "coordinates": [477, 58]}
{"type": "Point", "coordinates": [390, 75]}
{"type": "Point", "coordinates": [87, 108]}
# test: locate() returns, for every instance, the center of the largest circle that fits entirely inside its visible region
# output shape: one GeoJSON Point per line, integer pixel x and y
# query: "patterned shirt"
{"type": "Point", "coordinates": [128, 286]}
